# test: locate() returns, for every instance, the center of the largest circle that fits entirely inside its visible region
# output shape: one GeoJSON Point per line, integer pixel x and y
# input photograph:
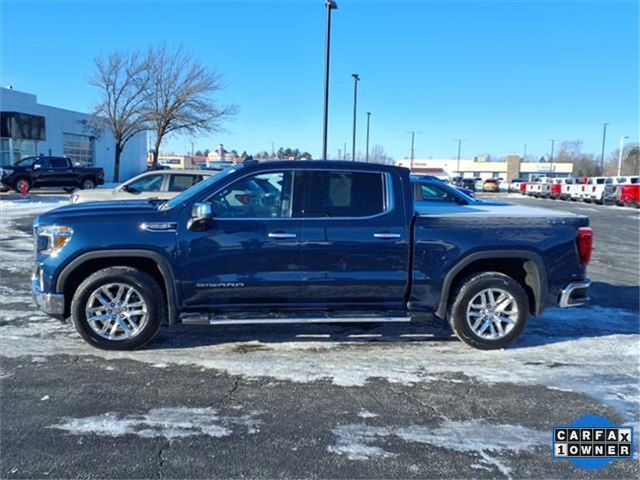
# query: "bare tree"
{"type": "Point", "coordinates": [179, 97]}
{"type": "Point", "coordinates": [378, 155]}
{"type": "Point", "coordinates": [123, 80]}
{"type": "Point", "coordinates": [584, 164]}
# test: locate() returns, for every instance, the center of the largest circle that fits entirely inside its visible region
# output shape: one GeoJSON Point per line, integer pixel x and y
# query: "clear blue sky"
{"type": "Point", "coordinates": [498, 74]}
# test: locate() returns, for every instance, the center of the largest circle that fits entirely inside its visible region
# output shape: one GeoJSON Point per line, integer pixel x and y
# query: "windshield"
{"type": "Point", "coordinates": [26, 161]}
{"type": "Point", "coordinates": [194, 191]}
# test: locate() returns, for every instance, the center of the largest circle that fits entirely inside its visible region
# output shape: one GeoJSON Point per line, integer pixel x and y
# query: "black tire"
{"type": "Point", "coordinates": [18, 185]}
{"type": "Point", "coordinates": [150, 292]}
{"type": "Point", "coordinates": [467, 291]}
{"type": "Point", "coordinates": [87, 184]}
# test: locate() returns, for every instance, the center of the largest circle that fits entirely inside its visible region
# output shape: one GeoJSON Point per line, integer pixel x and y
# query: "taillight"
{"type": "Point", "coordinates": [585, 244]}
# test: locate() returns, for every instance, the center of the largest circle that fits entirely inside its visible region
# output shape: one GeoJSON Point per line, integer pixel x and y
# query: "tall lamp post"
{"type": "Point", "coordinates": [356, 79]}
{"type": "Point", "coordinates": [367, 148]}
{"type": "Point", "coordinates": [620, 154]}
{"type": "Point", "coordinates": [604, 139]}
{"type": "Point", "coordinates": [413, 137]}
{"type": "Point", "coordinates": [553, 143]}
{"type": "Point", "coordinates": [330, 5]}
{"type": "Point", "coordinates": [459, 140]}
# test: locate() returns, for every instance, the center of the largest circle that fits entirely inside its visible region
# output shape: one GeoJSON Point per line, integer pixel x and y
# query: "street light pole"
{"type": "Point", "coordinates": [459, 140]}
{"type": "Point", "coordinates": [356, 79]}
{"type": "Point", "coordinates": [330, 5]}
{"type": "Point", "coordinates": [553, 142]}
{"type": "Point", "coordinates": [604, 139]}
{"type": "Point", "coordinates": [413, 136]}
{"type": "Point", "coordinates": [367, 148]}
{"type": "Point", "coordinates": [620, 154]}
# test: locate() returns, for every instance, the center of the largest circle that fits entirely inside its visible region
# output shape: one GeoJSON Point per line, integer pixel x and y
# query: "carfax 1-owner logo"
{"type": "Point", "coordinates": [592, 442]}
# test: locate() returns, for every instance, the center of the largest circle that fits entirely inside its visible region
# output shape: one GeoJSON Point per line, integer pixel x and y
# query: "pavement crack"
{"type": "Point", "coordinates": [161, 459]}
{"type": "Point", "coordinates": [420, 402]}
{"type": "Point", "coordinates": [229, 394]}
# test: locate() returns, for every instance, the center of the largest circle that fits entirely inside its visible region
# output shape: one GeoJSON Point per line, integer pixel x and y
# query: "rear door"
{"type": "Point", "coordinates": [61, 172]}
{"type": "Point", "coordinates": [355, 239]}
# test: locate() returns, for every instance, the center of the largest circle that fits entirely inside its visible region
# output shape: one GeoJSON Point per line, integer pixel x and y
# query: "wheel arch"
{"type": "Point", "coordinates": [533, 276]}
{"type": "Point", "coordinates": [149, 261]}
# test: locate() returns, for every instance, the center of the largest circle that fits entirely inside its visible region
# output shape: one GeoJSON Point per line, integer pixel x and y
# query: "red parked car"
{"type": "Point", "coordinates": [630, 195]}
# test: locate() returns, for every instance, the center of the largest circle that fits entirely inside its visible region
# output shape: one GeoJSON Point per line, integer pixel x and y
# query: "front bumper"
{"type": "Point", "coordinates": [50, 303]}
{"type": "Point", "coordinates": [574, 294]}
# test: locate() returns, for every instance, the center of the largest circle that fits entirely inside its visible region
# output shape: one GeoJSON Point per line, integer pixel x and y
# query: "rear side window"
{"type": "Point", "coordinates": [179, 183]}
{"type": "Point", "coordinates": [339, 194]}
{"type": "Point", "coordinates": [59, 163]}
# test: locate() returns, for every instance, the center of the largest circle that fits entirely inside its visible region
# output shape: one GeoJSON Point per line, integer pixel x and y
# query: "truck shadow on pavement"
{"type": "Point", "coordinates": [604, 317]}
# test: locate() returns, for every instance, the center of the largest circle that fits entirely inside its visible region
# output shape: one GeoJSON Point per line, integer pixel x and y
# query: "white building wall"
{"type": "Point", "coordinates": [59, 121]}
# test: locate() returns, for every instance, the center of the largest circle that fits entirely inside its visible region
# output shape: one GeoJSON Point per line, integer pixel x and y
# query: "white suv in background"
{"type": "Point", "coordinates": [162, 184]}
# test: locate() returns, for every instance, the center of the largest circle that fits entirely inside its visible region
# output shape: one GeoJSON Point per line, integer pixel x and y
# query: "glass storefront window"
{"type": "Point", "coordinates": [15, 149]}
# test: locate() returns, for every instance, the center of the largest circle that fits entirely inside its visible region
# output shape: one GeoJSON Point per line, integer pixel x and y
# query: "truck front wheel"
{"type": "Point", "coordinates": [489, 310]}
{"type": "Point", "coordinates": [118, 308]}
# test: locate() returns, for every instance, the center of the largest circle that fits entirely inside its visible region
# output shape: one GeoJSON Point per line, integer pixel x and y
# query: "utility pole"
{"type": "Point", "coordinates": [330, 5]}
{"type": "Point", "coordinates": [273, 151]}
{"type": "Point", "coordinates": [604, 139]}
{"type": "Point", "coordinates": [620, 154]}
{"type": "Point", "coordinates": [356, 79]}
{"type": "Point", "coordinates": [524, 156]}
{"type": "Point", "coordinates": [344, 151]}
{"type": "Point", "coordinates": [367, 149]}
{"type": "Point", "coordinates": [553, 142]}
{"type": "Point", "coordinates": [459, 140]}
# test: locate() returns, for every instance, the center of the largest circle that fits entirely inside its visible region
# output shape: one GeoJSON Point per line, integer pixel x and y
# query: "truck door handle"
{"type": "Point", "coordinates": [281, 235]}
{"type": "Point", "coordinates": [386, 235]}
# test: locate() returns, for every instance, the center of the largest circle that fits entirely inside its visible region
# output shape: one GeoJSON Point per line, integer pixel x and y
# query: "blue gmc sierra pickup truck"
{"type": "Point", "coordinates": [305, 241]}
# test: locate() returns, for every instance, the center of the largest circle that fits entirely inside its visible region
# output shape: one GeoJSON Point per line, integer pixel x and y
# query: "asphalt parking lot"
{"type": "Point", "coordinates": [337, 401]}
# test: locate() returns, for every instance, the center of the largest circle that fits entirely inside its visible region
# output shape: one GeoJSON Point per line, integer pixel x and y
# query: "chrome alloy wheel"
{"type": "Point", "coordinates": [116, 311]}
{"type": "Point", "coordinates": [492, 313]}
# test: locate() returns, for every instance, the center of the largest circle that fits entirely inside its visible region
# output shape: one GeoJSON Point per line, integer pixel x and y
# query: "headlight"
{"type": "Point", "coordinates": [51, 238]}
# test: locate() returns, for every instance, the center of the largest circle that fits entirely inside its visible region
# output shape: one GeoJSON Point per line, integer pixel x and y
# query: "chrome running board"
{"type": "Point", "coordinates": [199, 319]}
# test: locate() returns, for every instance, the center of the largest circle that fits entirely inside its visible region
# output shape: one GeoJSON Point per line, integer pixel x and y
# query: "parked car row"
{"type": "Point", "coordinates": [602, 190]}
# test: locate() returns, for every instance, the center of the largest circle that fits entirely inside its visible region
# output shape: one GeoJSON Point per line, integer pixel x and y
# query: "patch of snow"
{"type": "Point", "coordinates": [45, 398]}
{"type": "Point", "coordinates": [473, 436]}
{"type": "Point", "coordinates": [170, 423]}
{"type": "Point", "coordinates": [366, 414]}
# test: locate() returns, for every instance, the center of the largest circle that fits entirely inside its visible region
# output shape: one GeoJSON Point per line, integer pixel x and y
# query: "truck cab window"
{"type": "Point", "coordinates": [341, 194]}
{"type": "Point", "coordinates": [59, 163]}
{"type": "Point", "coordinates": [267, 195]}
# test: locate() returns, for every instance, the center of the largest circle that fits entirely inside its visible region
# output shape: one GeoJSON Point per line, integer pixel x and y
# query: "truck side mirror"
{"type": "Point", "coordinates": [36, 166]}
{"type": "Point", "coordinates": [201, 217]}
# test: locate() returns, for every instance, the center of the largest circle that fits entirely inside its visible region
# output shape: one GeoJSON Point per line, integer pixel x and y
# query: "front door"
{"type": "Point", "coordinates": [355, 241]}
{"type": "Point", "coordinates": [250, 257]}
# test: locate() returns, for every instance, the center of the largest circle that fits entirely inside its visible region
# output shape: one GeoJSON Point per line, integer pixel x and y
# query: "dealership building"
{"type": "Point", "coordinates": [28, 128]}
{"type": "Point", "coordinates": [478, 167]}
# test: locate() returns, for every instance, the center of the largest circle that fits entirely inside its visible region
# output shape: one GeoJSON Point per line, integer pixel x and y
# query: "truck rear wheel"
{"type": "Point", "coordinates": [118, 308]}
{"type": "Point", "coordinates": [489, 310]}
{"type": "Point", "coordinates": [87, 184]}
